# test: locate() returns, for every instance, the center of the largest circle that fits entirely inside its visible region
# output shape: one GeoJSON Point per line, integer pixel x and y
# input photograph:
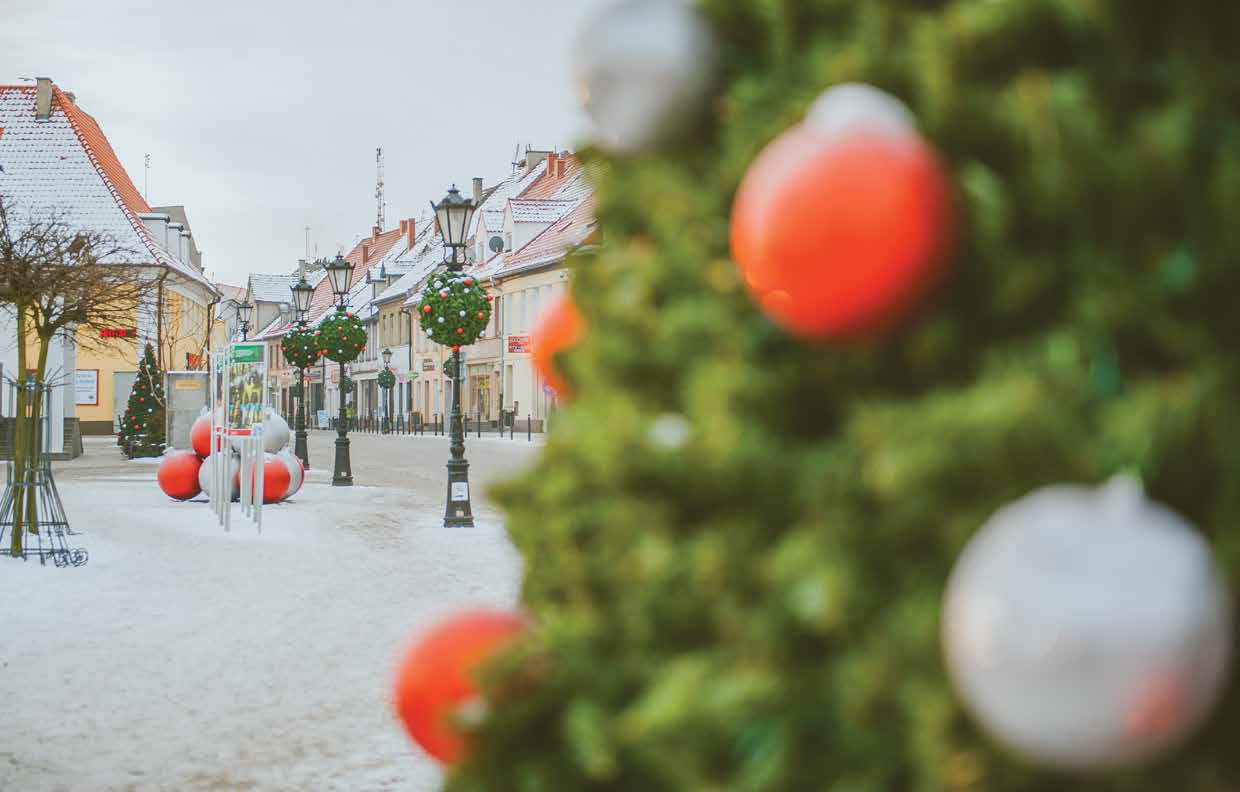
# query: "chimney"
{"type": "Point", "coordinates": [365, 253]}
{"type": "Point", "coordinates": [157, 225]}
{"type": "Point", "coordinates": [172, 241]}
{"type": "Point", "coordinates": [42, 98]}
{"type": "Point", "coordinates": [410, 233]}
{"type": "Point", "coordinates": [532, 158]}
{"type": "Point", "coordinates": [186, 246]}
{"type": "Point", "coordinates": [477, 189]}
{"type": "Point", "coordinates": [374, 232]}
{"type": "Point", "coordinates": [552, 161]}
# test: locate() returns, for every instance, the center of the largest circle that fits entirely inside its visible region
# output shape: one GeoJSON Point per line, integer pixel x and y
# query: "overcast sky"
{"type": "Point", "coordinates": [262, 117]}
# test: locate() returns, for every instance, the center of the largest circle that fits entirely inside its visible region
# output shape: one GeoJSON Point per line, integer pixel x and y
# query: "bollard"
{"type": "Point", "coordinates": [529, 428]}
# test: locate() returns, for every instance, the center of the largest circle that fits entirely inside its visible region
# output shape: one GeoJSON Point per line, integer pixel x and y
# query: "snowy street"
{"type": "Point", "coordinates": [185, 658]}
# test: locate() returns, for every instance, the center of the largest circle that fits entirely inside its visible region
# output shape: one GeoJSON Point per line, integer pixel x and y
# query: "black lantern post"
{"type": "Point", "coordinates": [244, 311]}
{"type": "Point", "coordinates": [303, 292]}
{"type": "Point", "coordinates": [454, 214]}
{"type": "Point", "coordinates": [387, 414]}
{"type": "Point", "coordinates": [340, 273]}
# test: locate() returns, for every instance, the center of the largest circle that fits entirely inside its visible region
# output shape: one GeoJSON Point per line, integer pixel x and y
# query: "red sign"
{"type": "Point", "coordinates": [192, 361]}
{"type": "Point", "coordinates": [519, 343]}
{"type": "Point", "coordinates": [117, 332]}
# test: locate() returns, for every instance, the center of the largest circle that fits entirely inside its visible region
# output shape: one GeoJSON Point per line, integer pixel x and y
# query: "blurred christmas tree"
{"type": "Point", "coordinates": [142, 428]}
{"type": "Point", "coordinates": [736, 543]}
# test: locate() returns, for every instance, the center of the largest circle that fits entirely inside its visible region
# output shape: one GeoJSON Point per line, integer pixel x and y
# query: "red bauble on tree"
{"type": "Point", "coordinates": [842, 222]}
{"type": "Point", "coordinates": [436, 682]}
{"type": "Point", "coordinates": [178, 474]}
{"type": "Point", "coordinates": [560, 328]}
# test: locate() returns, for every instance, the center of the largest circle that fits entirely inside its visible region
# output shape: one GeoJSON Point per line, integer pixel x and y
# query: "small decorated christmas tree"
{"type": "Point", "coordinates": [142, 429]}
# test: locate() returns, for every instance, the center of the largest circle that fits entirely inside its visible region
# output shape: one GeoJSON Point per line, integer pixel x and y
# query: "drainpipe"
{"type": "Point", "coordinates": [503, 347]}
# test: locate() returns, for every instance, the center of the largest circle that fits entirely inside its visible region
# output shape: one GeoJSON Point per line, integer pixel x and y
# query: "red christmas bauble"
{"type": "Point", "coordinates": [443, 296]}
{"type": "Point", "coordinates": [456, 348]}
{"type": "Point", "coordinates": [178, 475]}
{"type": "Point", "coordinates": [469, 281]}
{"type": "Point", "coordinates": [427, 309]}
{"type": "Point", "coordinates": [480, 315]}
{"type": "Point", "coordinates": [460, 331]}
{"type": "Point", "coordinates": [276, 479]}
{"type": "Point", "coordinates": [200, 436]}
{"type": "Point", "coordinates": [436, 679]}
{"type": "Point", "coordinates": [840, 232]}
{"type": "Point", "coordinates": [490, 298]}
{"type": "Point", "coordinates": [560, 328]}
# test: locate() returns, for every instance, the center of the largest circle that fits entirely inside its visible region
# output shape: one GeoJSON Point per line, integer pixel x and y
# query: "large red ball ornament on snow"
{"type": "Point", "coordinates": [178, 475]}
{"type": "Point", "coordinates": [200, 436]}
{"type": "Point", "coordinates": [276, 479]}
{"type": "Point", "coordinates": [436, 680]}
{"type": "Point", "coordinates": [561, 327]}
{"type": "Point", "coordinates": [842, 222]}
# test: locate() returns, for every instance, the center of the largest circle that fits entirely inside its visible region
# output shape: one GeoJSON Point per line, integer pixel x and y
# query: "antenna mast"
{"type": "Point", "coordinates": [379, 187]}
{"type": "Point", "coordinates": [146, 179]}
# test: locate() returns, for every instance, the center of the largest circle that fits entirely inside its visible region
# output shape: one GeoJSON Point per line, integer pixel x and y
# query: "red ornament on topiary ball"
{"type": "Point", "coordinates": [178, 475]}
{"type": "Point", "coordinates": [841, 223]}
{"type": "Point", "coordinates": [427, 309]}
{"type": "Point", "coordinates": [561, 327]}
{"type": "Point", "coordinates": [456, 348]}
{"type": "Point", "coordinates": [436, 680]}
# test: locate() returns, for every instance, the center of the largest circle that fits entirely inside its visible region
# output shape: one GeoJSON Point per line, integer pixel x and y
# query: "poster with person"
{"type": "Point", "coordinates": [247, 386]}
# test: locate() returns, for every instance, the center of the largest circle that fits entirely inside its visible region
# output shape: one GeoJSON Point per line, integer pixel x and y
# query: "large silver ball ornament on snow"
{"type": "Point", "coordinates": [1087, 628]}
{"type": "Point", "coordinates": [644, 71]}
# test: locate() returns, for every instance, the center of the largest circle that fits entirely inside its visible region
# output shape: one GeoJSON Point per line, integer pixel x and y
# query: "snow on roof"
{"type": "Point", "coordinates": [65, 163]}
{"type": "Point", "coordinates": [545, 211]}
{"type": "Point", "coordinates": [551, 245]}
{"type": "Point", "coordinates": [490, 213]}
{"type": "Point", "coordinates": [269, 287]}
{"type": "Point", "coordinates": [229, 292]}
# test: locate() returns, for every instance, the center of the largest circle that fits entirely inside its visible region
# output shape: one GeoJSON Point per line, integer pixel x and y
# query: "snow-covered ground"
{"type": "Point", "coordinates": [185, 658]}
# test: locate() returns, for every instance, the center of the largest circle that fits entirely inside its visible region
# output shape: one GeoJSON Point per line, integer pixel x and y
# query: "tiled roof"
{"type": "Point", "coordinates": [323, 298]}
{"type": "Point", "coordinates": [274, 288]}
{"type": "Point", "coordinates": [65, 163]}
{"type": "Point", "coordinates": [551, 245]}
{"type": "Point", "coordinates": [544, 211]}
{"type": "Point", "coordinates": [228, 292]}
{"type": "Point", "coordinates": [490, 213]}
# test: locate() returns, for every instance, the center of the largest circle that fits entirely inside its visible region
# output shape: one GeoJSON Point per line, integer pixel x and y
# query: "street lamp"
{"type": "Point", "coordinates": [454, 213]}
{"type": "Point", "coordinates": [244, 311]}
{"type": "Point", "coordinates": [303, 292]}
{"type": "Point", "coordinates": [340, 273]}
{"type": "Point", "coordinates": [387, 414]}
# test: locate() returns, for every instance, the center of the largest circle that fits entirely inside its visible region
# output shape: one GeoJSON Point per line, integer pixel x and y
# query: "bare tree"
{"type": "Point", "coordinates": [59, 279]}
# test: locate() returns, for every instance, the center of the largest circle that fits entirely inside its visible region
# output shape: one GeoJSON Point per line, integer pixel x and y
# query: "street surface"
{"type": "Point", "coordinates": [182, 657]}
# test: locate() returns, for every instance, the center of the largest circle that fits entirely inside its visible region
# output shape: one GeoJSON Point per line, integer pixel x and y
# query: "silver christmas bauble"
{"type": "Point", "coordinates": [1087, 628]}
{"type": "Point", "coordinates": [850, 108]}
{"type": "Point", "coordinates": [275, 431]}
{"type": "Point", "coordinates": [644, 71]}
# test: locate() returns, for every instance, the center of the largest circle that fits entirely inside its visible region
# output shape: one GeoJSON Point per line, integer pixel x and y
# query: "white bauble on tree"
{"type": "Point", "coordinates": [1087, 628]}
{"type": "Point", "coordinates": [644, 71]}
{"type": "Point", "coordinates": [275, 432]}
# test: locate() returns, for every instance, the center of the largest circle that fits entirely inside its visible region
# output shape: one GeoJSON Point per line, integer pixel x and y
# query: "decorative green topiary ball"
{"type": "Point", "coordinates": [341, 336]}
{"type": "Point", "coordinates": [300, 347]}
{"type": "Point", "coordinates": [454, 310]}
